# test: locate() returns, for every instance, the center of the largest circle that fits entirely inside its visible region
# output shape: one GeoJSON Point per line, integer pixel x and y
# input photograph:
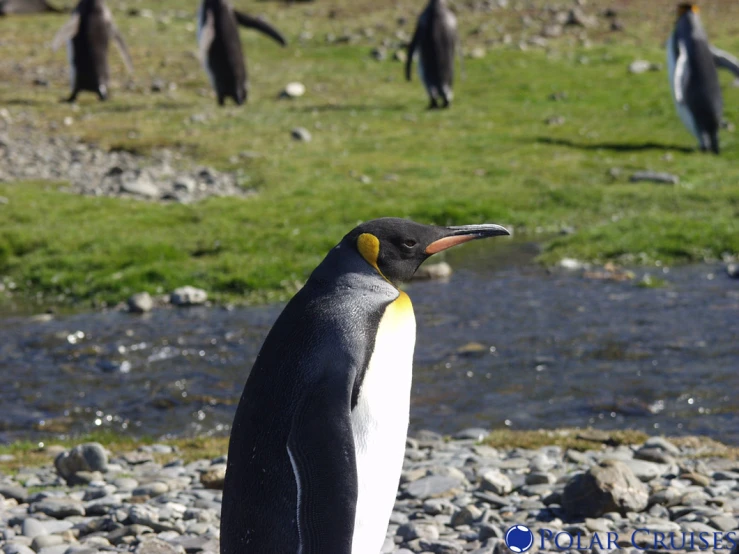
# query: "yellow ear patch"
{"type": "Point", "coordinates": [369, 247]}
{"type": "Point", "coordinates": [695, 9]}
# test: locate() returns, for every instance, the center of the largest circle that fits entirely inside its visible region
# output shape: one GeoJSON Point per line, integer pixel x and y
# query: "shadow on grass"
{"type": "Point", "coordinates": [114, 107]}
{"type": "Point", "coordinates": [25, 102]}
{"type": "Point", "coordinates": [349, 108]}
{"type": "Point", "coordinates": [615, 146]}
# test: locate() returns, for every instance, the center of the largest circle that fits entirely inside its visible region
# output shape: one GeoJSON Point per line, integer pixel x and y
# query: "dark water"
{"type": "Point", "coordinates": [556, 350]}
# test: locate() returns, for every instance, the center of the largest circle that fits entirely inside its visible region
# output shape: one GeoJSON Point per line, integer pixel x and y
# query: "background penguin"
{"type": "Point", "coordinates": [436, 39]}
{"type": "Point", "coordinates": [87, 34]}
{"type": "Point", "coordinates": [692, 63]}
{"type": "Point", "coordinates": [318, 439]}
{"type": "Point", "coordinates": [220, 47]}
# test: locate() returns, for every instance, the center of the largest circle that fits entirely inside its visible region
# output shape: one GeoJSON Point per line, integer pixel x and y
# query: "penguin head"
{"type": "Point", "coordinates": [687, 7]}
{"type": "Point", "coordinates": [395, 247]}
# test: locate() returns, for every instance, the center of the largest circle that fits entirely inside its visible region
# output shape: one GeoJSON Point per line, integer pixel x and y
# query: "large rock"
{"type": "Point", "coordinates": [143, 514]}
{"type": "Point", "coordinates": [10, 490]}
{"type": "Point", "coordinates": [188, 296]}
{"type": "Point", "coordinates": [434, 486]}
{"type": "Point", "coordinates": [418, 530]}
{"type": "Point", "coordinates": [140, 303]}
{"type": "Point", "coordinates": [441, 270]}
{"type": "Point", "coordinates": [646, 471]}
{"type": "Point", "coordinates": [214, 477]}
{"type": "Point", "coordinates": [301, 134]}
{"type": "Point", "coordinates": [440, 546]}
{"type": "Point", "coordinates": [33, 528]}
{"type": "Point", "coordinates": [155, 488]}
{"type": "Point", "coordinates": [655, 177]}
{"type": "Point", "coordinates": [293, 90]}
{"type": "Point", "coordinates": [158, 546]}
{"type": "Point", "coordinates": [84, 457]}
{"type": "Point", "coordinates": [58, 508]}
{"type": "Point", "coordinates": [662, 444]}
{"type": "Point", "coordinates": [138, 183]}
{"type": "Point", "coordinates": [17, 548]}
{"type": "Point", "coordinates": [45, 541]}
{"type": "Point", "coordinates": [495, 482]}
{"type": "Point", "coordinates": [608, 487]}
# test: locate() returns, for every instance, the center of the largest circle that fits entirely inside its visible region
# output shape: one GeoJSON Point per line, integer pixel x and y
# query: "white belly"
{"type": "Point", "coordinates": [380, 424]}
{"type": "Point", "coordinates": [682, 108]}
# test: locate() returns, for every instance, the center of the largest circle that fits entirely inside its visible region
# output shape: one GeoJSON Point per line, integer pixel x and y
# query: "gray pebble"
{"type": "Point", "coordinates": [433, 486]}
{"type": "Point", "coordinates": [17, 548]}
{"type": "Point", "coordinates": [301, 134]}
{"type": "Point", "coordinates": [188, 296]}
{"type": "Point", "coordinates": [9, 490]}
{"type": "Point", "coordinates": [497, 483]}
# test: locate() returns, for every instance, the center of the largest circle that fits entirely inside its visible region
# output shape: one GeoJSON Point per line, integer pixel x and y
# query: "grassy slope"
{"type": "Point", "coordinates": [492, 157]}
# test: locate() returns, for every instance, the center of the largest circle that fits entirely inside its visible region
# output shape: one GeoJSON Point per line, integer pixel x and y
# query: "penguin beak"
{"type": "Point", "coordinates": [457, 235]}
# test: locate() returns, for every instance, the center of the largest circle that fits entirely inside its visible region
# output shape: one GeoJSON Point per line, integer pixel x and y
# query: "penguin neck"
{"type": "Point", "coordinates": [690, 25]}
{"type": "Point", "coordinates": [344, 267]}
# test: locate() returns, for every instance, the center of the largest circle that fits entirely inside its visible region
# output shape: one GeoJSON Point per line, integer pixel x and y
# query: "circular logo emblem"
{"type": "Point", "coordinates": [519, 538]}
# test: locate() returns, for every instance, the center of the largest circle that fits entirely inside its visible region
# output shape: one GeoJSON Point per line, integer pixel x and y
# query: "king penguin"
{"type": "Point", "coordinates": [692, 63]}
{"type": "Point", "coordinates": [436, 39]}
{"type": "Point", "coordinates": [220, 47]}
{"type": "Point", "coordinates": [318, 440]}
{"type": "Point", "coordinates": [87, 34]}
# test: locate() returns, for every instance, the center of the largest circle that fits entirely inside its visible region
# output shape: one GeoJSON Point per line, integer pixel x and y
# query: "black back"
{"type": "Point", "coordinates": [703, 91]}
{"type": "Point", "coordinates": [310, 363]}
{"type": "Point", "coordinates": [225, 57]}
{"type": "Point", "coordinates": [437, 42]}
{"type": "Point", "coordinates": [90, 47]}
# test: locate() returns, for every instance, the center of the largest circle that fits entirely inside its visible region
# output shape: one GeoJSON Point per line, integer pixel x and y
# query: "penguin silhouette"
{"type": "Point", "coordinates": [87, 34]}
{"type": "Point", "coordinates": [436, 39]}
{"type": "Point", "coordinates": [220, 47]}
{"type": "Point", "coordinates": [318, 440]}
{"type": "Point", "coordinates": [696, 91]}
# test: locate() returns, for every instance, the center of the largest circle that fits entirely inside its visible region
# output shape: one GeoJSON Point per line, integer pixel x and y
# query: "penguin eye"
{"type": "Point", "coordinates": [409, 243]}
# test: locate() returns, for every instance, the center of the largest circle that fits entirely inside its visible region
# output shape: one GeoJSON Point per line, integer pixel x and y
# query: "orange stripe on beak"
{"type": "Point", "coordinates": [448, 242]}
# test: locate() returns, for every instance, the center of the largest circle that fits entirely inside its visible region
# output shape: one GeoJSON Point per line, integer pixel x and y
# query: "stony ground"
{"type": "Point", "coordinates": [455, 496]}
{"type": "Point", "coordinates": [26, 153]}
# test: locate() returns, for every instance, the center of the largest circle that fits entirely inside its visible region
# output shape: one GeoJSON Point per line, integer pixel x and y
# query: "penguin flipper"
{"type": "Point", "coordinates": [260, 25]}
{"type": "Point", "coordinates": [409, 57]}
{"type": "Point", "coordinates": [327, 485]}
{"type": "Point", "coordinates": [206, 36]}
{"type": "Point", "coordinates": [122, 48]}
{"type": "Point", "coordinates": [682, 72]}
{"type": "Point", "coordinates": [725, 60]}
{"type": "Point", "coordinates": [68, 30]}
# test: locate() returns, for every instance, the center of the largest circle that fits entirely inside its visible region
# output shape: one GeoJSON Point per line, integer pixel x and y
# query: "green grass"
{"type": "Point", "coordinates": [34, 454]}
{"type": "Point", "coordinates": [492, 157]}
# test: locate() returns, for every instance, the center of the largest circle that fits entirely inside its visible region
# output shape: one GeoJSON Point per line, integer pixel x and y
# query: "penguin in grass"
{"type": "Point", "coordinates": [318, 440]}
{"type": "Point", "coordinates": [692, 63]}
{"type": "Point", "coordinates": [220, 47]}
{"type": "Point", "coordinates": [436, 40]}
{"type": "Point", "coordinates": [87, 34]}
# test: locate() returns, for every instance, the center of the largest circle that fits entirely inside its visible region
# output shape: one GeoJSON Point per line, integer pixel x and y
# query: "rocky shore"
{"type": "Point", "coordinates": [165, 175]}
{"type": "Point", "coordinates": [455, 496]}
